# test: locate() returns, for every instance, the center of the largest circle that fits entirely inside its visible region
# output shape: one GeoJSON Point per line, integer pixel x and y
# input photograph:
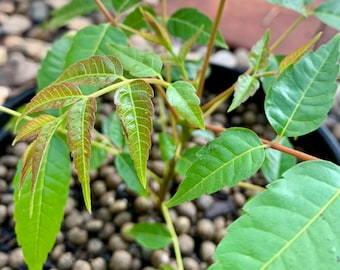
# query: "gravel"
{"type": "Point", "coordinates": [98, 241]}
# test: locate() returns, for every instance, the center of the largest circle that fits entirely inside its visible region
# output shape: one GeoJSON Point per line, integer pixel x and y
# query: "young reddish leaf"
{"type": "Point", "coordinates": [39, 152]}
{"type": "Point", "coordinates": [52, 97]}
{"type": "Point", "coordinates": [36, 233]}
{"type": "Point", "coordinates": [135, 111]}
{"type": "Point", "coordinates": [295, 56]}
{"type": "Point", "coordinates": [80, 122]}
{"type": "Point", "coordinates": [246, 87]}
{"type": "Point", "coordinates": [96, 70]}
{"type": "Point", "coordinates": [32, 128]}
{"type": "Point", "coordinates": [26, 165]}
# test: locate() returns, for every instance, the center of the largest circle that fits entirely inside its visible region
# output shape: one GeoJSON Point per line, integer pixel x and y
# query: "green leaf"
{"type": "Point", "coordinates": [188, 44]}
{"type": "Point", "coordinates": [36, 234]}
{"type": "Point", "coordinates": [246, 87]}
{"type": "Point", "coordinates": [297, 5]}
{"type": "Point", "coordinates": [53, 64]}
{"type": "Point", "coordinates": [185, 22]}
{"type": "Point", "coordinates": [135, 110]}
{"type": "Point", "coordinates": [94, 40]}
{"type": "Point", "coordinates": [167, 146]}
{"type": "Point", "coordinates": [138, 63]}
{"type": "Point", "coordinates": [126, 170]}
{"type": "Point", "coordinates": [150, 235]}
{"type": "Point", "coordinates": [135, 19]}
{"type": "Point", "coordinates": [98, 157]}
{"type": "Point", "coordinates": [225, 161]}
{"type": "Point", "coordinates": [52, 97]}
{"type": "Point", "coordinates": [71, 10]}
{"type": "Point", "coordinates": [295, 222]}
{"type": "Point", "coordinates": [329, 13]}
{"type": "Point", "coordinates": [277, 162]}
{"type": "Point", "coordinates": [113, 130]}
{"type": "Point", "coordinates": [258, 56]}
{"type": "Point", "coordinates": [302, 95]}
{"type": "Point", "coordinates": [80, 122]}
{"type": "Point", "coordinates": [182, 96]}
{"type": "Point", "coordinates": [96, 70]}
{"type": "Point", "coordinates": [122, 5]}
{"type": "Point", "coordinates": [186, 159]}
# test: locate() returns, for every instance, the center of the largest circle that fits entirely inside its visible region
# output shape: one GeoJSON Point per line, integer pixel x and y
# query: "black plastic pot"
{"type": "Point", "coordinates": [12, 103]}
{"type": "Point", "coordinates": [320, 143]}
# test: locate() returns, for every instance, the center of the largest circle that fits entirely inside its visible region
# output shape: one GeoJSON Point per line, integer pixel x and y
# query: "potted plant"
{"type": "Point", "coordinates": [291, 224]}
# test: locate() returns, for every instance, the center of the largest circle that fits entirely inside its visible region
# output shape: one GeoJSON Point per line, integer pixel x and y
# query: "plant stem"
{"type": "Point", "coordinates": [164, 11]}
{"type": "Point", "coordinates": [287, 32]}
{"type": "Point", "coordinates": [296, 153]}
{"type": "Point", "coordinates": [250, 186]}
{"type": "Point", "coordinates": [106, 13]}
{"type": "Point", "coordinates": [210, 47]}
{"type": "Point", "coordinates": [12, 112]}
{"type": "Point", "coordinates": [174, 237]}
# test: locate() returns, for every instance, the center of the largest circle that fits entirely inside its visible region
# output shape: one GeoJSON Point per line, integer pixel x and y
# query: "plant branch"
{"type": "Point", "coordinates": [174, 237]}
{"type": "Point", "coordinates": [293, 152]}
{"type": "Point", "coordinates": [210, 47]}
{"type": "Point", "coordinates": [106, 13]}
{"type": "Point", "coordinates": [286, 33]}
{"type": "Point", "coordinates": [251, 186]}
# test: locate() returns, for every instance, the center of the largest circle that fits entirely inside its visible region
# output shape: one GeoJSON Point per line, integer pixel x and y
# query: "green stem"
{"type": "Point", "coordinates": [210, 47]}
{"type": "Point", "coordinates": [174, 237]}
{"type": "Point", "coordinates": [287, 32]}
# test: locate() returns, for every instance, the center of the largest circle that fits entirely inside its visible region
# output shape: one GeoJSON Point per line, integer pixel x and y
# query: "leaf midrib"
{"type": "Point", "coordinates": [303, 230]}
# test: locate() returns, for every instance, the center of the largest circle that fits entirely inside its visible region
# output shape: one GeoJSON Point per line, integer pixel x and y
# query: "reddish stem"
{"type": "Point", "coordinates": [296, 153]}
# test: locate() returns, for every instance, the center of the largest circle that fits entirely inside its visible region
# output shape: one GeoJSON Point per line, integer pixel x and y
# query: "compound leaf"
{"type": "Point", "coordinates": [135, 110]}
{"type": "Point", "coordinates": [80, 122]}
{"type": "Point", "coordinates": [277, 162]}
{"type": "Point", "coordinates": [36, 232]}
{"type": "Point", "coordinates": [246, 87]}
{"type": "Point", "coordinates": [258, 56]}
{"type": "Point", "coordinates": [186, 22]}
{"type": "Point", "coordinates": [297, 211]}
{"type": "Point", "coordinates": [329, 13]}
{"type": "Point", "coordinates": [53, 64]}
{"type": "Point", "coordinates": [150, 235]}
{"type": "Point", "coordinates": [182, 96]}
{"type": "Point", "coordinates": [297, 5]}
{"type": "Point", "coordinates": [96, 70]}
{"type": "Point", "coordinates": [126, 170]}
{"type": "Point", "coordinates": [100, 36]}
{"type": "Point", "coordinates": [221, 163]}
{"type": "Point", "coordinates": [71, 10]}
{"type": "Point", "coordinates": [138, 63]}
{"type": "Point", "coordinates": [302, 95]}
{"type": "Point", "coordinates": [52, 97]}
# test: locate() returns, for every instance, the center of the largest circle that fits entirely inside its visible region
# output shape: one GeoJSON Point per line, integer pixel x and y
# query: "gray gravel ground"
{"type": "Point", "coordinates": [96, 241]}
